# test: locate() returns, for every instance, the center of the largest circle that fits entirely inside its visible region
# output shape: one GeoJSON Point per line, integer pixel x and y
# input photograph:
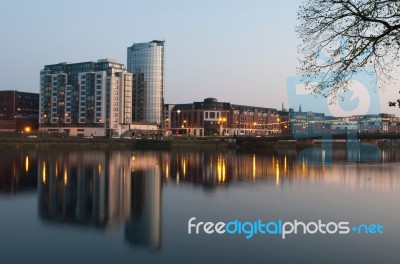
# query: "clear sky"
{"type": "Point", "coordinates": [237, 51]}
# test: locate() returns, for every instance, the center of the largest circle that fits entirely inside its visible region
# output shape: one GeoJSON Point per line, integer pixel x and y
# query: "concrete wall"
{"type": "Point", "coordinates": [75, 131]}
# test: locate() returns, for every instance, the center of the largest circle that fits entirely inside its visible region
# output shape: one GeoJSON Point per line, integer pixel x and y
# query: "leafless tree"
{"type": "Point", "coordinates": [371, 30]}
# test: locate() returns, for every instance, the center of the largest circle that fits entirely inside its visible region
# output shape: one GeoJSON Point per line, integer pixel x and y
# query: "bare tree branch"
{"type": "Point", "coordinates": [372, 32]}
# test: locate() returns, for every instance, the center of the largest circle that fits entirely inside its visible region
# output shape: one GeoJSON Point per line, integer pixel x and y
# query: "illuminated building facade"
{"type": "Point", "coordinates": [86, 99]}
{"type": "Point", "coordinates": [211, 117]}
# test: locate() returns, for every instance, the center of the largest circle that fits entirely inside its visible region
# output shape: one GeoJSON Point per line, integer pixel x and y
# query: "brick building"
{"type": "Point", "coordinates": [18, 111]}
{"type": "Point", "coordinates": [211, 117]}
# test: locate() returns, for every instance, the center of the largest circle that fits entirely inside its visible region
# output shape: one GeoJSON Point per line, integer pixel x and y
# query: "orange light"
{"type": "Point", "coordinates": [26, 164]}
{"type": "Point", "coordinates": [44, 172]}
{"type": "Point", "coordinates": [65, 176]}
{"type": "Point", "coordinates": [27, 129]}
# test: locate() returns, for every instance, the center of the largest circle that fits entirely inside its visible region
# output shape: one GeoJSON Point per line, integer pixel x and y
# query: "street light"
{"type": "Point", "coordinates": [166, 126]}
{"type": "Point", "coordinates": [178, 121]}
{"type": "Point", "coordinates": [221, 121]}
{"type": "Point", "coordinates": [279, 124]}
{"type": "Point", "coordinates": [44, 120]}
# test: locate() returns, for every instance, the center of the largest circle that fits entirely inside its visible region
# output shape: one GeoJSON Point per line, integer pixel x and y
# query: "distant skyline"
{"type": "Point", "coordinates": [236, 51]}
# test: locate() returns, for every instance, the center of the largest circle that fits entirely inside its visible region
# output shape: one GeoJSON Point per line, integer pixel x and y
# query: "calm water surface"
{"type": "Point", "coordinates": [133, 207]}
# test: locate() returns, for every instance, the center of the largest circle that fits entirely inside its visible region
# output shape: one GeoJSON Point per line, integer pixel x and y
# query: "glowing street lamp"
{"type": "Point", "coordinates": [185, 126]}
{"type": "Point", "coordinates": [221, 121]}
{"type": "Point", "coordinates": [44, 121]}
{"type": "Point", "coordinates": [178, 120]}
{"type": "Point", "coordinates": [279, 124]}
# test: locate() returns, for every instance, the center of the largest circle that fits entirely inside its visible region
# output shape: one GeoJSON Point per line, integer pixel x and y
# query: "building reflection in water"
{"type": "Point", "coordinates": [103, 190]}
{"type": "Point", "coordinates": [109, 189]}
{"type": "Point", "coordinates": [144, 225]}
{"type": "Point", "coordinates": [90, 188]}
{"type": "Point", "coordinates": [18, 172]}
{"type": "Point", "coordinates": [213, 169]}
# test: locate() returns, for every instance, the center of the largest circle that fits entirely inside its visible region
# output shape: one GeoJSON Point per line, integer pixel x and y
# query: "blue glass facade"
{"type": "Point", "coordinates": [146, 63]}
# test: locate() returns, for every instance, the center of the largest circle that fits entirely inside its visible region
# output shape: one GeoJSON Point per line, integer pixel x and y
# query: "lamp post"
{"type": "Point", "coordinates": [279, 125]}
{"type": "Point", "coordinates": [186, 128]}
{"type": "Point", "coordinates": [178, 121]}
{"type": "Point", "coordinates": [44, 120]}
{"type": "Point", "coordinates": [222, 120]}
{"type": "Point", "coordinates": [166, 126]}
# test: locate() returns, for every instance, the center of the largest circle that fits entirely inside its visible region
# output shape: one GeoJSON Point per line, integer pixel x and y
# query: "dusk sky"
{"type": "Point", "coordinates": [237, 51]}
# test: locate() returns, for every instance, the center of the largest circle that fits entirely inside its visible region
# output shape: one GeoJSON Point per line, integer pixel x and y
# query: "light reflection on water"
{"type": "Point", "coordinates": [134, 193]}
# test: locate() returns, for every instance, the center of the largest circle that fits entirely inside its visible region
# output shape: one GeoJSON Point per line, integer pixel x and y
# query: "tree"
{"type": "Point", "coordinates": [371, 33]}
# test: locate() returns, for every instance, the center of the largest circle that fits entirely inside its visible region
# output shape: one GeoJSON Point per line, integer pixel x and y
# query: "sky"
{"type": "Point", "coordinates": [241, 52]}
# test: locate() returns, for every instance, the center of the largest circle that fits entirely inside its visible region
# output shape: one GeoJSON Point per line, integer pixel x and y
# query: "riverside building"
{"type": "Point", "coordinates": [146, 63]}
{"type": "Point", "coordinates": [211, 117]}
{"type": "Point", "coordinates": [85, 99]}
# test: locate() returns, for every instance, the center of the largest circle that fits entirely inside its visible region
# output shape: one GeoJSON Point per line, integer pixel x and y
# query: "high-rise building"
{"type": "Point", "coordinates": [88, 98]}
{"type": "Point", "coordinates": [146, 63]}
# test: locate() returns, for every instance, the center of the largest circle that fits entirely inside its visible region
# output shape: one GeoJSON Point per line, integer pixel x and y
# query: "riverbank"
{"type": "Point", "coordinates": [168, 144]}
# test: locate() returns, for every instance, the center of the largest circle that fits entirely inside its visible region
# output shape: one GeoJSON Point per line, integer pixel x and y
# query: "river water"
{"type": "Point", "coordinates": [134, 206]}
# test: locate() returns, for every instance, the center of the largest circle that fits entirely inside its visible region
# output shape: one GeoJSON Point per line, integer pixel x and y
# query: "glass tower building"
{"type": "Point", "coordinates": [146, 63]}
